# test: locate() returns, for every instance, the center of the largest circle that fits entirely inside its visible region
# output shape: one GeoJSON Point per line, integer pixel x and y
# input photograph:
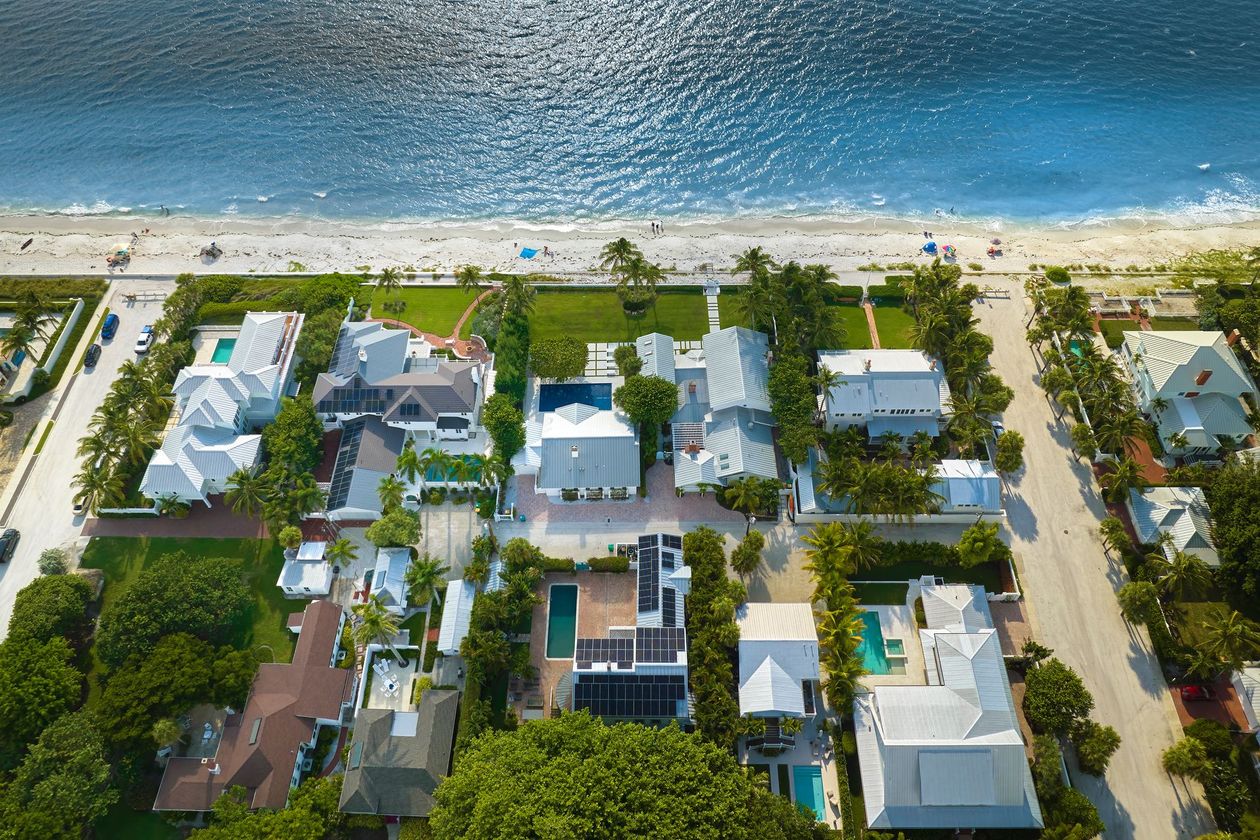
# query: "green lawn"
{"type": "Point", "coordinates": [1174, 324]}
{"type": "Point", "coordinates": [853, 318]}
{"type": "Point", "coordinates": [122, 823]}
{"type": "Point", "coordinates": [434, 309]}
{"type": "Point", "coordinates": [986, 575]}
{"type": "Point", "coordinates": [596, 315]}
{"type": "Point", "coordinates": [882, 593]}
{"type": "Point", "coordinates": [894, 325]}
{"type": "Point", "coordinates": [1195, 616]}
{"type": "Point", "coordinates": [122, 559]}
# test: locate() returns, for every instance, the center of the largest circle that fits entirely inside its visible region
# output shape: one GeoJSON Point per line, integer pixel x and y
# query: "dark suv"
{"type": "Point", "coordinates": [8, 543]}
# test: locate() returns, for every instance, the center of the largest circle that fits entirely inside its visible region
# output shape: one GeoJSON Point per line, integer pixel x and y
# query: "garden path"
{"type": "Point", "coordinates": [870, 323]}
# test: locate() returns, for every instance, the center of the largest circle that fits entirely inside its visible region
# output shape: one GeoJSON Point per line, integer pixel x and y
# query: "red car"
{"type": "Point", "coordinates": [1198, 692]}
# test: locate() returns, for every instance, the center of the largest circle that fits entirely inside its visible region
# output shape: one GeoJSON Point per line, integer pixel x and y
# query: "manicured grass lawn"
{"type": "Point", "coordinates": [436, 309]}
{"type": "Point", "coordinates": [1113, 330]}
{"type": "Point", "coordinates": [857, 331]}
{"type": "Point", "coordinates": [729, 314]}
{"type": "Point", "coordinates": [1174, 324]}
{"type": "Point", "coordinates": [882, 593]}
{"type": "Point", "coordinates": [893, 324]}
{"type": "Point", "coordinates": [986, 575]}
{"type": "Point", "coordinates": [596, 315]}
{"type": "Point", "coordinates": [122, 823]}
{"type": "Point", "coordinates": [1196, 615]}
{"type": "Point", "coordinates": [264, 627]}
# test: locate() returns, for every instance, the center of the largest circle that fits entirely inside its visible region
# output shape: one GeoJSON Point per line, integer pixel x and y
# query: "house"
{"type": "Point", "coordinates": [968, 487]}
{"type": "Point", "coordinates": [581, 451]}
{"type": "Point", "coordinates": [1191, 384]}
{"type": "Point", "coordinates": [1180, 512]}
{"type": "Point", "coordinates": [456, 616]}
{"type": "Point", "coordinates": [389, 582]}
{"type": "Point", "coordinates": [778, 660]}
{"type": "Point", "coordinates": [218, 404]}
{"type": "Point", "coordinates": [368, 452]}
{"type": "Point", "coordinates": [397, 759]}
{"type": "Point", "coordinates": [639, 673]}
{"type": "Point", "coordinates": [949, 754]}
{"type": "Point", "coordinates": [1246, 683]}
{"type": "Point", "coordinates": [305, 572]}
{"type": "Point", "coordinates": [723, 430]}
{"type": "Point", "coordinates": [265, 747]}
{"type": "Point", "coordinates": [885, 391]}
{"type": "Point", "coordinates": [389, 374]}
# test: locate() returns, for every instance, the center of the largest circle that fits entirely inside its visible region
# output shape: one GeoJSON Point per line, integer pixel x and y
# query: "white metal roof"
{"type": "Point", "coordinates": [737, 369]}
{"type": "Point", "coordinates": [456, 616]}
{"type": "Point", "coordinates": [1174, 358]}
{"type": "Point", "coordinates": [313, 576]}
{"type": "Point", "coordinates": [387, 579]}
{"type": "Point", "coordinates": [776, 622]}
{"type": "Point", "coordinates": [657, 352]}
{"type": "Point", "coordinates": [1180, 512]}
{"type": "Point", "coordinates": [771, 690]}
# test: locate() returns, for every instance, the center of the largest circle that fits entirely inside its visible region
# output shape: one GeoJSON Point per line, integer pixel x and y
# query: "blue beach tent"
{"type": "Point", "coordinates": [529, 253]}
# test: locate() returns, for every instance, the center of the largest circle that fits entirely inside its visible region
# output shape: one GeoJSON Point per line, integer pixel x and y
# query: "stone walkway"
{"type": "Point", "coordinates": [870, 324]}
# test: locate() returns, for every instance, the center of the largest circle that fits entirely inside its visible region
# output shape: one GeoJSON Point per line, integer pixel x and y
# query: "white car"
{"type": "Point", "coordinates": [146, 339]}
{"type": "Point", "coordinates": [998, 428]}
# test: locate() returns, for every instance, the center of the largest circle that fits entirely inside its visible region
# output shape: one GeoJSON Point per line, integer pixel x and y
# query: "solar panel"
{"type": "Point", "coordinates": [668, 607]}
{"type": "Point", "coordinates": [343, 467]}
{"type": "Point", "coordinates": [631, 695]}
{"type": "Point", "coordinates": [590, 651]}
{"type": "Point", "coordinates": [649, 579]}
{"type": "Point", "coordinates": [659, 644]}
{"type": "Point", "coordinates": [342, 352]}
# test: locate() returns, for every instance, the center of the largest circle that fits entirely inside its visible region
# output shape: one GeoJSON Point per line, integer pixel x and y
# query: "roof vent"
{"type": "Point", "coordinates": [362, 355]}
{"type": "Point", "coordinates": [691, 387]}
{"type": "Point", "coordinates": [573, 451]}
{"type": "Point", "coordinates": [866, 365]}
{"type": "Point", "coordinates": [932, 365]}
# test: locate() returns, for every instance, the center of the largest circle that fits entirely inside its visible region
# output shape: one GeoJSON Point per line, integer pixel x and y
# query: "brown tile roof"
{"type": "Point", "coordinates": [284, 703]}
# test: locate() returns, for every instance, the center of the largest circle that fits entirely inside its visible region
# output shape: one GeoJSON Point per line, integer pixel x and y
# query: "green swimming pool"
{"type": "Point", "coordinates": [561, 620]}
{"type": "Point", "coordinates": [223, 351]}
{"type": "Point", "coordinates": [807, 779]}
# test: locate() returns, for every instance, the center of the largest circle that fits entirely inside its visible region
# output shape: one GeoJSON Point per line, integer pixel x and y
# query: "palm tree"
{"type": "Point", "coordinates": [1114, 535]}
{"type": "Point", "coordinates": [518, 296]}
{"type": "Point", "coordinates": [1182, 574]}
{"type": "Point", "coordinates": [754, 262]}
{"type": "Point", "coordinates": [617, 253]}
{"type": "Point", "coordinates": [468, 278]}
{"type": "Point", "coordinates": [390, 280]}
{"type": "Point", "coordinates": [1178, 440]}
{"type": "Point", "coordinates": [245, 491]}
{"type": "Point", "coordinates": [306, 497]}
{"type": "Point", "coordinates": [828, 557]}
{"type": "Point", "coordinates": [494, 470]}
{"type": "Point", "coordinates": [342, 552]}
{"type": "Point", "coordinates": [390, 491]}
{"type": "Point", "coordinates": [1116, 432]}
{"type": "Point", "coordinates": [140, 436]}
{"type": "Point", "coordinates": [408, 465]}
{"type": "Point", "coordinates": [98, 488]}
{"type": "Point", "coordinates": [19, 339]}
{"type": "Point", "coordinates": [1125, 475]}
{"type": "Point", "coordinates": [436, 461]}
{"type": "Point", "coordinates": [744, 495]}
{"type": "Point", "coordinates": [931, 333]}
{"type": "Point", "coordinates": [422, 578]}
{"type": "Point", "coordinates": [167, 731]}
{"type": "Point", "coordinates": [865, 546]}
{"type": "Point", "coordinates": [1233, 640]}
{"type": "Point", "coordinates": [375, 624]}
{"type": "Point", "coordinates": [459, 471]}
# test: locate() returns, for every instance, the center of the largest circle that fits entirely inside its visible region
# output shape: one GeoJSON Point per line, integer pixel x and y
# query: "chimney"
{"type": "Point", "coordinates": [866, 365]}
{"type": "Point", "coordinates": [573, 451]}
{"type": "Point", "coordinates": [932, 365]}
{"type": "Point", "coordinates": [1232, 338]}
{"type": "Point", "coordinates": [693, 449]}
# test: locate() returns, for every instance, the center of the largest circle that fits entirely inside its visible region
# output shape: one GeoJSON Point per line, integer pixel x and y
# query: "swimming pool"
{"type": "Point", "coordinates": [223, 351]}
{"type": "Point", "coordinates": [1077, 348]}
{"type": "Point", "coordinates": [807, 779]}
{"type": "Point", "coordinates": [874, 660]}
{"type": "Point", "coordinates": [596, 394]}
{"type": "Point", "coordinates": [433, 474]}
{"type": "Point", "coordinates": [561, 620]}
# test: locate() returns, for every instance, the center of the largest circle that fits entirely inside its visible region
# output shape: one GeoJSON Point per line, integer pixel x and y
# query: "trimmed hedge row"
{"type": "Point", "coordinates": [609, 564]}
{"type": "Point", "coordinates": [237, 308]}
{"type": "Point", "coordinates": [886, 292]}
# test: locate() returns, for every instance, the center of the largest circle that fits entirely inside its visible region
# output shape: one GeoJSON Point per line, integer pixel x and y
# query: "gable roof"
{"type": "Point", "coordinates": [737, 369]}
{"type": "Point", "coordinates": [778, 651]}
{"type": "Point", "coordinates": [397, 759]}
{"type": "Point", "coordinates": [368, 451]}
{"type": "Point", "coordinates": [948, 754]}
{"type": "Point", "coordinates": [582, 446]}
{"type": "Point", "coordinates": [1164, 353]}
{"type": "Point", "coordinates": [456, 615]}
{"type": "Point", "coordinates": [878, 381]}
{"type": "Point", "coordinates": [258, 750]}
{"type": "Point", "coordinates": [769, 689]}
{"type": "Point", "coordinates": [973, 484]}
{"type": "Point", "coordinates": [657, 352]}
{"type": "Point", "coordinates": [388, 582]}
{"type": "Point", "coordinates": [1180, 512]}
{"type": "Point", "coordinates": [192, 458]}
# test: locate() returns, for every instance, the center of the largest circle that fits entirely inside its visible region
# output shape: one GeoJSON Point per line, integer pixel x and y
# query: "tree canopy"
{"type": "Point", "coordinates": [712, 635]}
{"type": "Point", "coordinates": [204, 596]}
{"type": "Point", "coordinates": [312, 814]}
{"type": "Point", "coordinates": [506, 425]}
{"type": "Point", "coordinates": [397, 527]}
{"type": "Point", "coordinates": [168, 681]}
{"type": "Point", "coordinates": [574, 776]}
{"type": "Point", "coordinates": [1234, 495]}
{"type": "Point", "coordinates": [558, 358]}
{"type": "Point", "coordinates": [50, 606]}
{"type": "Point", "coordinates": [794, 405]}
{"type": "Point", "coordinates": [648, 399]}
{"type": "Point", "coordinates": [38, 684]}
{"type": "Point", "coordinates": [1055, 697]}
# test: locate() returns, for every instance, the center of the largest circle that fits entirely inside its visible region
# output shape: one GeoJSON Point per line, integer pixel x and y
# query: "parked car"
{"type": "Point", "coordinates": [998, 428]}
{"type": "Point", "coordinates": [77, 508]}
{"type": "Point", "coordinates": [1191, 693]}
{"type": "Point", "coordinates": [110, 326]}
{"type": "Point", "coordinates": [146, 339]}
{"type": "Point", "coordinates": [93, 353]}
{"type": "Point", "coordinates": [8, 542]}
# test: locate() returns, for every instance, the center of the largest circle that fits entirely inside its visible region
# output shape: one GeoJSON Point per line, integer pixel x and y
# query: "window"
{"type": "Point", "coordinates": [1203, 377]}
{"type": "Point", "coordinates": [253, 730]}
{"type": "Point", "coordinates": [1191, 394]}
{"type": "Point", "coordinates": [356, 756]}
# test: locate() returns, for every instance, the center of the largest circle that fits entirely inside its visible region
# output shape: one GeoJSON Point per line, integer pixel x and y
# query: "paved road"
{"type": "Point", "coordinates": [42, 507]}
{"type": "Point", "coordinates": [1054, 511]}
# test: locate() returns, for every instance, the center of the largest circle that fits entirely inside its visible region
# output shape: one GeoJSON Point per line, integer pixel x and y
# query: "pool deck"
{"type": "Point", "coordinates": [206, 339]}
{"type": "Point", "coordinates": [813, 747]}
{"type": "Point", "coordinates": [897, 622]}
{"type": "Point", "coordinates": [605, 599]}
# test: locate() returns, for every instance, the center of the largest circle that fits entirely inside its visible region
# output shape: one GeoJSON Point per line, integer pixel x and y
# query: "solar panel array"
{"type": "Point", "coordinates": [669, 607]}
{"type": "Point", "coordinates": [353, 399]}
{"type": "Point", "coordinates": [649, 575]}
{"type": "Point", "coordinates": [344, 353]}
{"type": "Point", "coordinates": [620, 651]}
{"type": "Point", "coordinates": [659, 644]}
{"type": "Point", "coordinates": [631, 695]}
{"type": "Point", "coordinates": [343, 470]}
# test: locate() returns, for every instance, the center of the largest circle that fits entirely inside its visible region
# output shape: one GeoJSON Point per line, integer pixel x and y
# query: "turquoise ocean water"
{"type": "Point", "coordinates": [586, 110]}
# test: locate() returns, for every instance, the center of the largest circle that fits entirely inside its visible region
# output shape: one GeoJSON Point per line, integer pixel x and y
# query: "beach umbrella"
{"type": "Point", "coordinates": [995, 241]}
{"type": "Point", "coordinates": [120, 249]}
{"type": "Point", "coordinates": [929, 248]}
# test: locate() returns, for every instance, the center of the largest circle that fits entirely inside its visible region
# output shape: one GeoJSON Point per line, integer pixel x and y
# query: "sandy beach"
{"type": "Point", "coordinates": [78, 245]}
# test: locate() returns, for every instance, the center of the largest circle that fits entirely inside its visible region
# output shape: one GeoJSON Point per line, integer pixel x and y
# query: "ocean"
{"type": "Point", "coordinates": [580, 111]}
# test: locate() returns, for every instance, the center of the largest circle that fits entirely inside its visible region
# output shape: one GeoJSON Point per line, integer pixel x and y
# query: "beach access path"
{"type": "Point", "coordinates": [1053, 510]}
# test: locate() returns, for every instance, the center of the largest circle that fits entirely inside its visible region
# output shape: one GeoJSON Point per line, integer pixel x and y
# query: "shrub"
{"type": "Point", "coordinates": [848, 744]}
{"type": "Point", "coordinates": [627, 359]}
{"type": "Point", "coordinates": [1055, 697]}
{"type": "Point", "coordinates": [1227, 795]}
{"type": "Point", "coordinates": [1058, 274]}
{"type": "Point", "coordinates": [238, 308]}
{"type": "Point", "coordinates": [1095, 744]}
{"type": "Point", "coordinates": [6, 418]}
{"type": "Point", "coordinates": [557, 564]}
{"type": "Point", "coordinates": [430, 657]}
{"type": "Point", "coordinates": [975, 267]}
{"type": "Point", "coordinates": [609, 564]}
{"type": "Point", "coordinates": [413, 828]}
{"type": "Point", "coordinates": [847, 293]}
{"type": "Point", "coordinates": [419, 687]}
{"type": "Point", "coordinates": [558, 358]}
{"type": "Point", "coordinates": [898, 280]}
{"type": "Point", "coordinates": [885, 293]}
{"type": "Point", "coordinates": [52, 561]}
{"type": "Point", "coordinates": [1215, 738]}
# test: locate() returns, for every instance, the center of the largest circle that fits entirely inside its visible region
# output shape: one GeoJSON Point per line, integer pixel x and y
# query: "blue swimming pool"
{"type": "Point", "coordinates": [874, 660]}
{"type": "Point", "coordinates": [596, 394]}
{"type": "Point", "coordinates": [562, 601]}
{"type": "Point", "coordinates": [807, 779]}
{"type": "Point", "coordinates": [223, 351]}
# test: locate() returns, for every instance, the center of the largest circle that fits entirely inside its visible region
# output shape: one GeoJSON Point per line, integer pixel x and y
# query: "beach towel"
{"type": "Point", "coordinates": [529, 253]}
